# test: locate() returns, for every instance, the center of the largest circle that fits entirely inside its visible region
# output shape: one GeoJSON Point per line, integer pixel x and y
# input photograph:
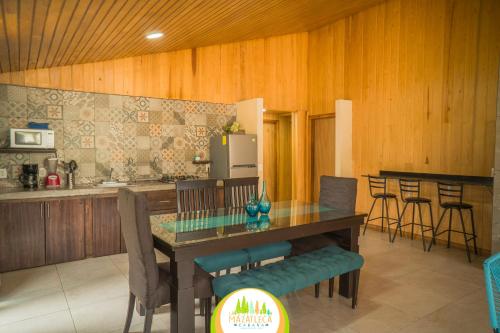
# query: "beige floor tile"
{"type": "Point", "coordinates": [78, 272]}
{"type": "Point", "coordinates": [469, 314]}
{"type": "Point", "coordinates": [103, 317]}
{"type": "Point", "coordinates": [32, 304]}
{"type": "Point", "coordinates": [28, 280]}
{"type": "Point", "coordinates": [97, 290]}
{"type": "Point", "coordinates": [58, 322]}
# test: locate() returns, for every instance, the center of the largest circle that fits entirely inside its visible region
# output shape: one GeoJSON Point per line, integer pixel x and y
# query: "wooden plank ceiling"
{"type": "Point", "coordinates": [48, 33]}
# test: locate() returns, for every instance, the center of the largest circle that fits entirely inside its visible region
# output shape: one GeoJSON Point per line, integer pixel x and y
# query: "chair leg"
{"type": "Point", "coordinates": [473, 231]}
{"type": "Point", "coordinates": [369, 215]}
{"type": "Point", "coordinates": [382, 219]}
{"type": "Point", "coordinates": [412, 219]}
{"type": "Point", "coordinates": [399, 219]}
{"type": "Point", "coordinates": [421, 226]}
{"type": "Point", "coordinates": [202, 307]}
{"type": "Point", "coordinates": [331, 285]}
{"type": "Point", "coordinates": [228, 271]}
{"type": "Point", "coordinates": [436, 231]}
{"type": "Point", "coordinates": [400, 222]}
{"type": "Point", "coordinates": [208, 313]}
{"type": "Point", "coordinates": [244, 268]}
{"type": "Point", "coordinates": [217, 274]}
{"type": "Point", "coordinates": [449, 227]}
{"type": "Point", "coordinates": [355, 288]}
{"type": "Point", "coordinates": [316, 290]}
{"type": "Point", "coordinates": [130, 312]}
{"type": "Point", "coordinates": [465, 235]}
{"type": "Point", "coordinates": [432, 223]}
{"type": "Point", "coordinates": [388, 218]}
{"type": "Point", "coordinates": [148, 321]}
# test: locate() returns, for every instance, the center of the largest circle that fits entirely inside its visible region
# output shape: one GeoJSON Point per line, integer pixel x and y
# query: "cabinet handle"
{"type": "Point", "coordinates": [41, 210]}
{"type": "Point", "coordinates": [164, 201]}
{"type": "Point", "coordinates": [48, 211]}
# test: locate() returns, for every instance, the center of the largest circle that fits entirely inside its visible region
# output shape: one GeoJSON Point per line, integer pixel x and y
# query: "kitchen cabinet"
{"type": "Point", "coordinates": [106, 227]}
{"type": "Point", "coordinates": [22, 235]}
{"type": "Point", "coordinates": [64, 230]}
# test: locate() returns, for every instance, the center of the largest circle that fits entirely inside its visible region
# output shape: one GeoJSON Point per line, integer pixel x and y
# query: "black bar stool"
{"type": "Point", "coordinates": [378, 190]}
{"type": "Point", "coordinates": [410, 194]}
{"type": "Point", "coordinates": [450, 198]}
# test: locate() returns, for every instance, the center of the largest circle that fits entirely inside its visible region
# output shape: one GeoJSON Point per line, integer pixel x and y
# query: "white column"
{"type": "Point", "coordinates": [343, 138]}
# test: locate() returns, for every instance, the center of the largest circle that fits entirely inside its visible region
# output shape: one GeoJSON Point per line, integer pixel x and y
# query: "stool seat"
{"type": "Point", "coordinates": [456, 205]}
{"type": "Point", "coordinates": [384, 195]}
{"type": "Point", "coordinates": [417, 199]}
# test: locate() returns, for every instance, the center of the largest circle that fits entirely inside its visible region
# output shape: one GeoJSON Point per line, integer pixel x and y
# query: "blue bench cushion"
{"type": "Point", "coordinates": [221, 261]}
{"type": "Point", "coordinates": [269, 251]}
{"type": "Point", "coordinates": [292, 274]}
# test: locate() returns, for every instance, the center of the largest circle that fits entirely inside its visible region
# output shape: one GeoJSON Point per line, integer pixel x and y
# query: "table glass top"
{"type": "Point", "coordinates": [188, 228]}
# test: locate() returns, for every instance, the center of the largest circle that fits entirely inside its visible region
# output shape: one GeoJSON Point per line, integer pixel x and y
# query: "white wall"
{"type": "Point", "coordinates": [343, 138]}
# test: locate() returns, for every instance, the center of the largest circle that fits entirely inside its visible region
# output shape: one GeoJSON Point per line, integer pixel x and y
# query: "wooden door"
{"type": "Point", "coordinates": [106, 227]}
{"type": "Point", "coordinates": [64, 230]}
{"type": "Point", "coordinates": [22, 235]}
{"type": "Point", "coordinates": [270, 158]}
{"type": "Point", "coordinates": [323, 151]}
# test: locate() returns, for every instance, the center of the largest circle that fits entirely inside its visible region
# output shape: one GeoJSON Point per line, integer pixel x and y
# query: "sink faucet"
{"type": "Point", "coordinates": [110, 174]}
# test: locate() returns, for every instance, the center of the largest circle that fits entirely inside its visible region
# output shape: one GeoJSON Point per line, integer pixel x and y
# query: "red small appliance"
{"type": "Point", "coordinates": [52, 180]}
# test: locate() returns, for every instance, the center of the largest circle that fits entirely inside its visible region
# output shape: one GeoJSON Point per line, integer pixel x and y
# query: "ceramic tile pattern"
{"type": "Point", "coordinates": [102, 131]}
{"type": "Point", "coordinates": [402, 289]}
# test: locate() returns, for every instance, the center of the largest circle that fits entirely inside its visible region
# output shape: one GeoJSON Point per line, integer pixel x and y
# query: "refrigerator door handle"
{"type": "Point", "coordinates": [243, 166]}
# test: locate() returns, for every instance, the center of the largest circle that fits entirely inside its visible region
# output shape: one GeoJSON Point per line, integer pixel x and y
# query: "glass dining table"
{"type": "Point", "coordinates": [183, 237]}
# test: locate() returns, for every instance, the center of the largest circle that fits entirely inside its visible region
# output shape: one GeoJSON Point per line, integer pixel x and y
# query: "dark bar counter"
{"type": "Point", "coordinates": [437, 177]}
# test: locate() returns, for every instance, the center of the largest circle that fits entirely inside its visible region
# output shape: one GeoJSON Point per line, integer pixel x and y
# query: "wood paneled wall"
{"type": "Point", "coordinates": [273, 68]}
{"type": "Point", "coordinates": [422, 76]}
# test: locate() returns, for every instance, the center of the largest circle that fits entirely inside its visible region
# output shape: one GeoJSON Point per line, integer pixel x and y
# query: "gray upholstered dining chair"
{"type": "Point", "coordinates": [335, 192]}
{"type": "Point", "coordinates": [149, 281]}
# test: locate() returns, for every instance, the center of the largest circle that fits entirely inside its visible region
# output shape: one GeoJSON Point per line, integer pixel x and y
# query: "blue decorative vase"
{"type": "Point", "coordinates": [264, 222]}
{"type": "Point", "coordinates": [252, 207]}
{"type": "Point", "coordinates": [252, 223]}
{"type": "Point", "coordinates": [264, 203]}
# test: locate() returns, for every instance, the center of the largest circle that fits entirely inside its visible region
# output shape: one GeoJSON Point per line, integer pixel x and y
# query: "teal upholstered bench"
{"type": "Point", "coordinates": [294, 273]}
{"type": "Point", "coordinates": [222, 261]}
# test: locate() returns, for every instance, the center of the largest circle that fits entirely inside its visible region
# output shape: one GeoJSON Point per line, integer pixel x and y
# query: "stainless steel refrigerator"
{"type": "Point", "coordinates": [233, 156]}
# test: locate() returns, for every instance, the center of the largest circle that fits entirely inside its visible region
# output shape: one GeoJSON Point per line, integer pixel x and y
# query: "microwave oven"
{"type": "Point", "coordinates": [31, 138]}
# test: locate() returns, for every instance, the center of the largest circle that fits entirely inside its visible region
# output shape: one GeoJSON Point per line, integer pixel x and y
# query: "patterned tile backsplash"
{"type": "Point", "coordinates": [136, 136]}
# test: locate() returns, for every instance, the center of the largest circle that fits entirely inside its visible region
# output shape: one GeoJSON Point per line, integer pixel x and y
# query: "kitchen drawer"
{"type": "Point", "coordinates": [162, 201]}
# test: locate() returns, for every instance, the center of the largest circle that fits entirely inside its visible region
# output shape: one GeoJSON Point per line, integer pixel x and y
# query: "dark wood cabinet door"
{"type": "Point", "coordinates": [64, 230]}
{"type": "Point", "coordinates": [162, 202]}
{"type": "Point", "coordinates": [22, 235]}
{"type": "Point", "coordinates": [106, 227]}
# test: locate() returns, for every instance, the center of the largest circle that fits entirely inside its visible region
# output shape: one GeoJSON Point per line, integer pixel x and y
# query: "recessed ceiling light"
{"type": "Point", "coordinates": [154, 35]}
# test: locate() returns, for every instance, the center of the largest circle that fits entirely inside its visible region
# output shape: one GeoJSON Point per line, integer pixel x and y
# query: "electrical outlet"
{"type": "Point", "coordinates": [3, 173]}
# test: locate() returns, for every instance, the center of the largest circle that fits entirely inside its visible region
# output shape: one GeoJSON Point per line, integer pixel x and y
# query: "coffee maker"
{"type": "Point", "coordinates": [29, 176]}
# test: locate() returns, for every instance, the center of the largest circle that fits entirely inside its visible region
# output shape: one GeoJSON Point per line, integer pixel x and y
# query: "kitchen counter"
{"type": "Point", "coordinates": [18, 193]}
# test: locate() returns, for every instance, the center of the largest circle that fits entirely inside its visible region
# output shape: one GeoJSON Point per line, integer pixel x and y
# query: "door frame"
{"type": "Point", "coordinates": [309, 149]}
{"type": "Point", "coordinates": [276, 136]}
{"type": "Point", "coordinates": [295, 142]}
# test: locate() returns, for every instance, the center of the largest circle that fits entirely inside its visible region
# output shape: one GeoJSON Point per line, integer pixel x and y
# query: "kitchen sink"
{"type": "Point", "coordinates": [112, 184]}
